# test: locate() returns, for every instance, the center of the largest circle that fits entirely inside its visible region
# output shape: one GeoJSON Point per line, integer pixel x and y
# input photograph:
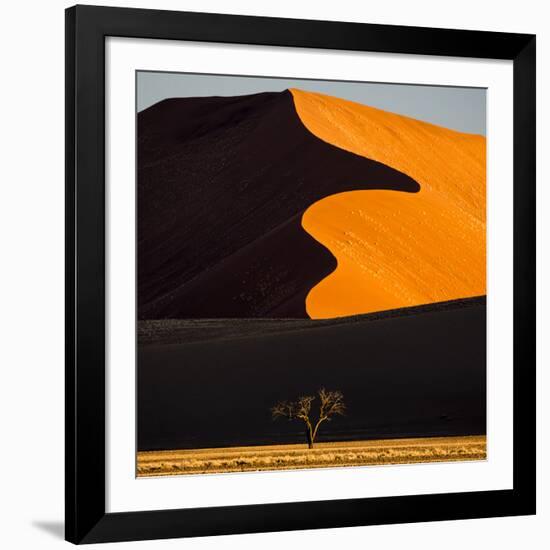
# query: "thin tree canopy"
{"type": "Point", "coordinates": [331, 403]}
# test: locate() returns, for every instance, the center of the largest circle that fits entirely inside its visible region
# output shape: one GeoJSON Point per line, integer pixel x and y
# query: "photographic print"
{"type": "Point", "coordinates": [311, 273]}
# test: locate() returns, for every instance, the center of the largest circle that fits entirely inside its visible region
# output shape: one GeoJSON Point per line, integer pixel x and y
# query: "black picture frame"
{"type": "Point", "coordinates": [86, 29]}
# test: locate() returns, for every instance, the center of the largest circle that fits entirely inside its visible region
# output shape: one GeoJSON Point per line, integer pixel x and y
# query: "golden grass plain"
{"type": "Point", "coordinates": [323, 455]}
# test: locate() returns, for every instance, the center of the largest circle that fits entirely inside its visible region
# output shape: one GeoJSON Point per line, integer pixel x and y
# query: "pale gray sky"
{"type": "Point", "coordinates": [462, 109]}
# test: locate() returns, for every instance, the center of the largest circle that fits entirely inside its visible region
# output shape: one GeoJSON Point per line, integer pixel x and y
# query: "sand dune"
{"type": "Point", "coordinates": [226, 187]}
{"type": "Point", "coordinates": [395, 249]}
{"type": "Point", "coordinates": [222, 186]}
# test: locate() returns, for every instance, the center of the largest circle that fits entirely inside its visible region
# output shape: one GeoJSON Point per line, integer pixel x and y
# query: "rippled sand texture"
{"type": "Point", "coordinates": [397, 249]}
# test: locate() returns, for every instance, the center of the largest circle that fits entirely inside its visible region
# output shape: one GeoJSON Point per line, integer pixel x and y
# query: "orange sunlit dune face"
{"type": "Point", "coordinates": [397, 249]}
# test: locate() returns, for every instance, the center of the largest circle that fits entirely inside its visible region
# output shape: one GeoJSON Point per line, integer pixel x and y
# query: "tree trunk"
{"type": "Point", "coordinates": [314, 433]}
{"type": "Point", "coordinates": [309, 437]}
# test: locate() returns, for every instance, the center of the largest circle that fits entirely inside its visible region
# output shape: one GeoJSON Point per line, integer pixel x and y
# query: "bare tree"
{"type": "Point", "coordinates": [330, 403]}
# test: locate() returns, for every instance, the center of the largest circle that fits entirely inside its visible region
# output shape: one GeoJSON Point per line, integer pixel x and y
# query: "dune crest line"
{"type": "Point", "coordinates": [397, 249]}
{"type": "Point", "coordinates": [222, 186]}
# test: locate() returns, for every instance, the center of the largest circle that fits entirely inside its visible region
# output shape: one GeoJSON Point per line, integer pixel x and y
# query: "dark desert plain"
{"type": "Point", "coordinates": [407, 374]}
{"type": "Point", "coordinates": [290, 241]}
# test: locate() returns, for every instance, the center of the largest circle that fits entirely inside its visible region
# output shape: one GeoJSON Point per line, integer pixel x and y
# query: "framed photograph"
{"type": "Point", "coordinates": [300, 274]}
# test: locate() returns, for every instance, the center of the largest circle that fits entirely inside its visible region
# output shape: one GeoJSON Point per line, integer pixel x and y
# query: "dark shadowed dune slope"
{"type": "Point", "coordinates": [222, 185]}
{"type": "Point", "coordinates": [403, 374]}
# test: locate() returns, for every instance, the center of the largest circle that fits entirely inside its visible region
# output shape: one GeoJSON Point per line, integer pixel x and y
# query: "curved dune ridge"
{"type": "Point", "coordinates": [223, 183]}
{"type": "Point", "coordinates": [397, 249]}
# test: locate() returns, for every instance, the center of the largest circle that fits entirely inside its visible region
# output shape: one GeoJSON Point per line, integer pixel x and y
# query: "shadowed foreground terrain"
{"type": "Point", "coordinates": [290, 457]}
{"type": "Point", "coordinates": [414, 372]}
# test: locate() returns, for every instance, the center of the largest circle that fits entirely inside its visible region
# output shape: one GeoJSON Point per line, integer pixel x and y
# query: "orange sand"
{"type": "Point", "coordinates": [397, 249]}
